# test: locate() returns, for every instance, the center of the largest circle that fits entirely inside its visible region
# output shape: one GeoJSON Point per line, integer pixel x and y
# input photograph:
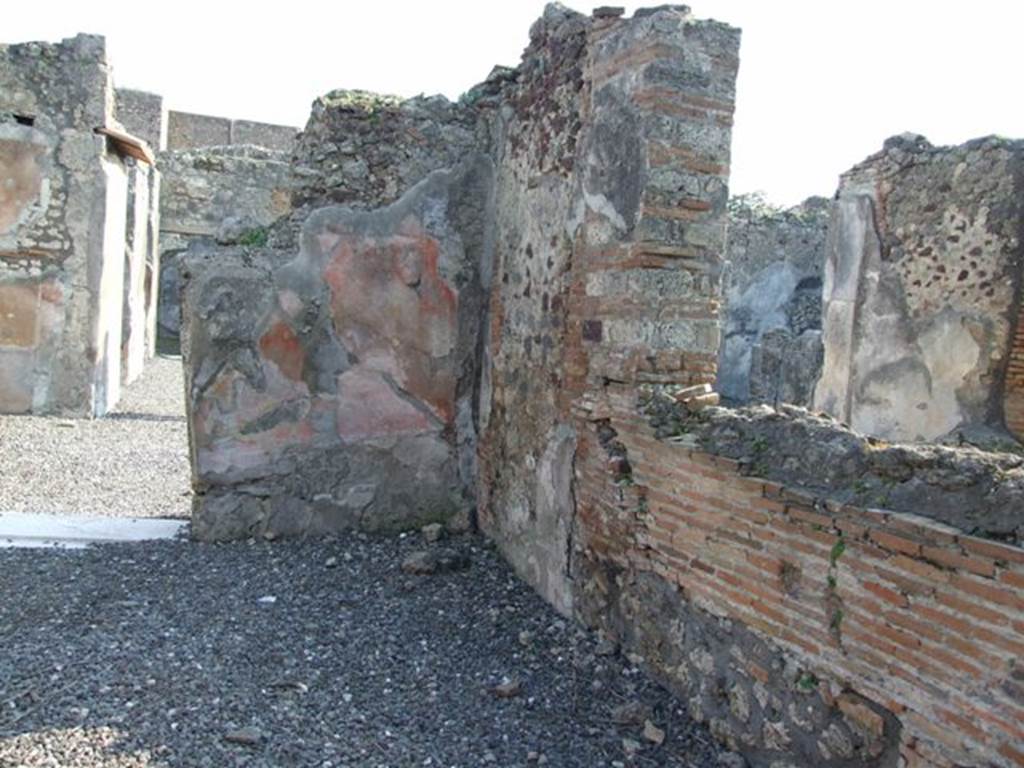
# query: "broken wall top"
{"type": "Point", "coordinates": [922, 288]}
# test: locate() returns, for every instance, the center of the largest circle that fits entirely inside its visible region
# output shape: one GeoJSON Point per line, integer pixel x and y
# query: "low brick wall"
{"type": "Point", "coordinates": [922, 621]}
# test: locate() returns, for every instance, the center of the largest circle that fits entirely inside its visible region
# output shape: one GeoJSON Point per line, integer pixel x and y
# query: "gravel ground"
{"type": "Point", "coordinates": [132, 462]}
{"type": "Point", "coordinates": [312, 654]}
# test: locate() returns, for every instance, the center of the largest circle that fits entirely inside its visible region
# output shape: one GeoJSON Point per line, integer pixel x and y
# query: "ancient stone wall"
{"type": "Point", "coordinates": [501, 332]}
{"type": "Point", "coordinates": [200, 189]}
{"type": "Point", "coordinates": [364, 150]}
{"type": "Point", "coordinates": [525, 432]}
{"type": "Point", "coordinates": [925, 260]}
{"type": "Point", "coordinates": [187, 130]}
{"type": "Point", "coordinates": [63, 207]}
{"type": "Point", "coordinates": [794, 654]}
{"type": "Point", "coordinates": [608, 268]}
{"type": "Point", "coordinates": [771, 330]}
{"type": "Point", "coordinates": [144, 115]}
{"type": "Point", "coordinates": [216, 169]}
{"type": "Point", "coordinates": [977, 492]}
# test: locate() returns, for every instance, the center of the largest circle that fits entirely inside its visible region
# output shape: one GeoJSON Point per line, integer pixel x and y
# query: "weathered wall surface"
{"type": "Point", "coordinates": [499, 322]}
{"type": "Point", "coordinates": [922, 280]}
{"type": "Point", "coordinates": [527, 437]}
{"type": "Point", "coordinates": [200, 188]}
{"type": "Point", "coordinates": [364, 150]}
{"type": "Point", "coordinates": [331, 389]}
{"type": "Point", "coordinates": [217, 169]}
{"type": "Point", "coordinates": [141, 270]}
{"type": "Point", "coordinates": [805, 629]}
{"type": "Point", "coordinates": [615, 273]}
{"type": "Point", "coordinates": [63, 200]}
{"type": "Point", "coordinates": [734, 594]}
{"type": "Point", "coordinates": [771, 331]}
{"type": "Point", "coordinates": [143, 114]}
{"type": "Point", "coordinates": [974, 491]}
{"type": "Point", "coordinates": [187, 130]}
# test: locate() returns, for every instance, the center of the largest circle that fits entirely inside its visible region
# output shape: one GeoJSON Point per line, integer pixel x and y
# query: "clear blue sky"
{"type": "Point", "coordinates": [821, 83]}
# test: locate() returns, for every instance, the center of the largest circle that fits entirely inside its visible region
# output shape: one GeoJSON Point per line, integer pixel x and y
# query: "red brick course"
{"type": "Point", "coordinates": [931, 619]}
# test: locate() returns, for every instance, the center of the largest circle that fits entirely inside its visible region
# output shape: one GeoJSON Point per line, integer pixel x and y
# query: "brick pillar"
{"type": "Point", "coordinates": [645, 294]}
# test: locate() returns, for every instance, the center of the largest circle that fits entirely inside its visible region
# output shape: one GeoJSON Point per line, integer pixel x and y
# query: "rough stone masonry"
{"type": "Point", "coordinates": [922, 291]}
{"type": "Point", "coordinates": [513, 319]}
{"type": "Point", "coordinates": [82, 211]}
{"type": "Point", "coordinates": [223, 180]}
{"type": "Point", "coordinates": [74, 233]}
{"type": "Point", "coordinates": [771, 328]}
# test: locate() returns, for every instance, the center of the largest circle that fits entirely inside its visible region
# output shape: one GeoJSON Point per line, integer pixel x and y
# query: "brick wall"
{"type": "Point", "coordinates": [611, 208]}
{"type": "Point", "coordinates": [1013, 402]}
{"type": "Point", "coordinates": [803, 632]}
{"type": "Point", "coordinates": [910, 614]}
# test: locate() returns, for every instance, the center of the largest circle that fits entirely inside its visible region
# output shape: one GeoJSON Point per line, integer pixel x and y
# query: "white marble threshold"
{"type": "Point", "coordinates": [18, 529]}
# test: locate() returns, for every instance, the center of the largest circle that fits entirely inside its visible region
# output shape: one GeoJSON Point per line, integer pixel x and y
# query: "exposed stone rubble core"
{"type": "Point", "coordinates": [771, 330]}
{"type": "Point", "coordinates": [575, 261]}
{"type": "Point", "coordinates": [74, 287]}
{"type": "Point", "coordinates": [365, 150]}
{"type": "Point", "coordinates": [974, 491]}
{"type": "Point", "coordinates": [922, 288]}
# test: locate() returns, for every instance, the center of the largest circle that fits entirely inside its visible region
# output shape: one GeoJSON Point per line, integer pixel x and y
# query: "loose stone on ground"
{"type": "Point", "coordinates": [163, 654]}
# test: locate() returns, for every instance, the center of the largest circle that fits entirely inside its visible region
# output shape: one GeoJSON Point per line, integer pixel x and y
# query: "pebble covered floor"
{"type": "Point", "coordinates": [131, 463]}
{"type": "Point", "coordinates": [312, 653]}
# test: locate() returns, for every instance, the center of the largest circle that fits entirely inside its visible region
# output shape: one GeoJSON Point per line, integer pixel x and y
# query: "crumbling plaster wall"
{"type": "Point", "coordinates": [922, 284]}
{"type": "Point", "coordinates": [771, 330]}
{"type": "Point", "coordinates": [63, 205]}
{"type": "Point", "coordinates": [331, 389]}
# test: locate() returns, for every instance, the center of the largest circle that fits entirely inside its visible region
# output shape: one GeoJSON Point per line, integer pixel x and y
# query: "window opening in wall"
{"type": "Point", "coordinates": [25, 120]}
